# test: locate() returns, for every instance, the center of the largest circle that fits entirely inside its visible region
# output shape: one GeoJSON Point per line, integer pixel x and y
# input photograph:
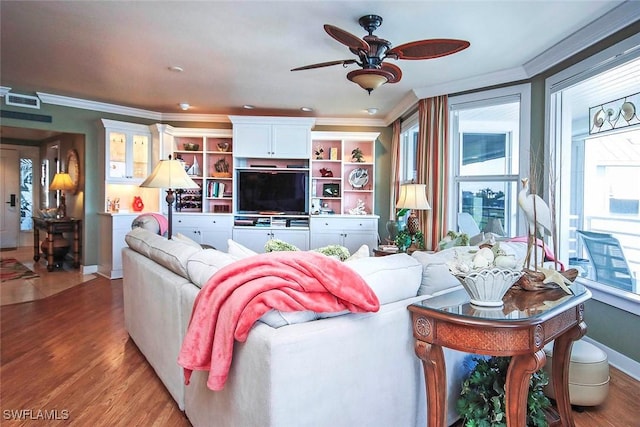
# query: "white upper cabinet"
{"type": "Point", "coordinates": [127, 152]}
{"type": "Point", "coordinates": [272, 137]}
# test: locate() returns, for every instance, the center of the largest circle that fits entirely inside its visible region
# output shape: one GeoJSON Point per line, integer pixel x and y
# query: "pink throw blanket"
{"type": "Point", "coordinates": [163, 223]}
{"type": "Point", "coordinates": [240, 293]}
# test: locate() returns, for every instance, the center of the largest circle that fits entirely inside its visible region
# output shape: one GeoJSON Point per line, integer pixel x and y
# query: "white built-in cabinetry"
{"type": "Point", "coordinates": [113, 228]}
{"type": "Point", "coordinates": [271, 137]}
{"type": "Point", "coordinates": [349, 231]}
{"type": "Point", "coordinates": [212, 230]}
{"type": "Point", "coordinates": [340, 207]}
{"type": "Point", "coordinates": [127, 154]}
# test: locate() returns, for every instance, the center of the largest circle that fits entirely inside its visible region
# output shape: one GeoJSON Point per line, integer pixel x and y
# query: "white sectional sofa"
{"type": "Point", "coordinates": [347, 370]}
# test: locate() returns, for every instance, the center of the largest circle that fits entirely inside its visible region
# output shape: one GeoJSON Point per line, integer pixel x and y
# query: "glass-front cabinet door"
{"type": "Point", "coordinates": [128, 152]}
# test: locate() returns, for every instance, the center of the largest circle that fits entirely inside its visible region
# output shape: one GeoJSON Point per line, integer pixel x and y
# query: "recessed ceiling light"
{"type": "Point", "coordinates": [306, 109]}
{"type": "Point", "coordinates": [248, 107]}
{"type": "Point", "coordinates": [184, 105]}
{"type": "Point", "coordinates": [176, 68]}
{"type": "Point", "coordinates": [371, 111]}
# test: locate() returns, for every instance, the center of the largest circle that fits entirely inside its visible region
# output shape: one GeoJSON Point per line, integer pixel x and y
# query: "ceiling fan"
{"type": "Point", "coordinates": [372, 51]}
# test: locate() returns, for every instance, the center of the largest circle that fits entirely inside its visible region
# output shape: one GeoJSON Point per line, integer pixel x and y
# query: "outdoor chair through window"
{"type": "Point", "coordinates": [609, 264]}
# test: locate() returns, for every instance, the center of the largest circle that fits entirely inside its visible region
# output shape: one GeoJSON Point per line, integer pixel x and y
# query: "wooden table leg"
{"type": "Point", "coordinates": [517, 385]}
{"type": "Point", "coordinates": [435, 379]}
{"type": "Point", "coordinates": [561, 361]}
{"type": "Point", "coordinates": [50, 263]}
{"type": "Point", "coordinates": [76, 245]}
{"type": "Point", "coordinates": [36, 243]}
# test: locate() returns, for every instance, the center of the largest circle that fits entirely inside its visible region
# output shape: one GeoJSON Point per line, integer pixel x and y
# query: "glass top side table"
{"type": "Point", "coordinates": [520, 329]}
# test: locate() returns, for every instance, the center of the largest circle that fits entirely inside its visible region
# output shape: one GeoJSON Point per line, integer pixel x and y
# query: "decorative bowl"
{"type": "Point", "coordinates": [487, 287]}
{"type": "Point", "coordinates": [189, 146]}
{"type": "Point", "coordinates": [223, 146]}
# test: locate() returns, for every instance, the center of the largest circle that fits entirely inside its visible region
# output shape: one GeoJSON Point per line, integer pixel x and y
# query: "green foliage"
{"type": "Point", "coordinates": [357, 155]}
{"type": "Point", "coordinates": [334, 250]}
{"type": "Point", "coordinates": [277, 245]}
{"type": "Point", "coordinates": [481, 402]}
{"type": "Point", "coordinates": [403, 240]}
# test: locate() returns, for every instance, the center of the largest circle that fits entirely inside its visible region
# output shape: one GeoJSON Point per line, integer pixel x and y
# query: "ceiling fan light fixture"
{"type": "Point", "coordinates": [369, 78]}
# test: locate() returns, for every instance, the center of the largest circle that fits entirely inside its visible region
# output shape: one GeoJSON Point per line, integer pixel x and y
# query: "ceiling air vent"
{"type": "Point", "coordinates": [23, 100]}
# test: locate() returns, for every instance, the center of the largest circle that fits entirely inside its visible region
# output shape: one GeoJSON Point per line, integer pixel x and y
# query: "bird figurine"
{"type": "Point", "coordinates": [538, 216]}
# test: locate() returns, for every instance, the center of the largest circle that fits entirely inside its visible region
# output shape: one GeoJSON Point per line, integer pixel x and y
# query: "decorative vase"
{"type": "Point", "coordinates": [487, 287]}
{"type": "Point", "coordinates": [137, 204]}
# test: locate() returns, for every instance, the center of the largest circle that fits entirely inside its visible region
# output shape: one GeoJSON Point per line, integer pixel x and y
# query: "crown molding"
{"type": "Point", "coordinates": [104, 107]}
{"type": "Point", "coordinates": [615, 20]}
{"type": "Point", "coordinates": [405, 104]}
{"type": "Point", "coordinates": [360, 122]}
{"type": "Point", "coordinates": [4, 90]}
{"type": "Point", "coordinates": [190, 117]}
{"type": "Point", "coordinates": [66, 101]}
{"type": "Point", "coordinates": [484, 80]}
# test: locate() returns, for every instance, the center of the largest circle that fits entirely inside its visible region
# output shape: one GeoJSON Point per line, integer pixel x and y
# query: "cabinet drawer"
{"type": "Point", "coordinates": [326, 224]}
{"type": "Point", "coordinates": [203, 221]}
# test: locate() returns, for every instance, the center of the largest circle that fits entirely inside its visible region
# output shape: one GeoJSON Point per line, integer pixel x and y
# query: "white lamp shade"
{"type": "Point", "coordinates": [413, 196]}
{"type": "Point", "coordinates": [169, 174]}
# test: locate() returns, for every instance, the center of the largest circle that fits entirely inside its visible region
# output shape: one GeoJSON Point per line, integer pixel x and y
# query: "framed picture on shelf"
{"type": "Point", "coordinates": [331, 190]}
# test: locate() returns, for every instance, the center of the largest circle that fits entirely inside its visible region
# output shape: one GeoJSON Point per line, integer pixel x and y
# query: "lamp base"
{"type": "Point", "coordinates": [413, 224]}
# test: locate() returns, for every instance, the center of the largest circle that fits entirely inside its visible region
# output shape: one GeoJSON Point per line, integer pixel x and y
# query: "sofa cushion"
{"type": "Point", "coordinates": [277, 318]}
{"type": "Point", "coordinates": [170, 254]}
{"type": "Point", "coordinates": [203, 264]}
{"type": "Point", "coordinates": [186, 240]}
{"type": "Point", "coordinates": [392, 278]}
{"type": "Point", "coordinates": [239, 251]}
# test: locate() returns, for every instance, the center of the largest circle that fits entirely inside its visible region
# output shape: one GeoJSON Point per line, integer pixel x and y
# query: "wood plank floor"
{"type": "Point", "coordinates": [69, 352]}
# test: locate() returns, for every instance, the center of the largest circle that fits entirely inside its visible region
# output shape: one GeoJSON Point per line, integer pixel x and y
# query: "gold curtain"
{"type": "Point", "coordinates": [432, 166]}
{"type": "Point", "coordinates": [395, 169]}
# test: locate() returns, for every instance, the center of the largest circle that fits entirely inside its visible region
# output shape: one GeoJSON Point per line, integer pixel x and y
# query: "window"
{"type": "Point", "coordinates": [408, 149]}
{"type": "Point", "coordinates": [26, 194]}
{"type": "Point", "coordinates": [597, 173]}
{"type": "Point", "coordinates": [486, 131]}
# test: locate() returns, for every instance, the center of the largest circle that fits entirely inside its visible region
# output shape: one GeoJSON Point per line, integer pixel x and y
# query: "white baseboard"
{"type": "Point", "coordinates": [618, 360]}
{"type": "Point", "coordinates": [89, 269]}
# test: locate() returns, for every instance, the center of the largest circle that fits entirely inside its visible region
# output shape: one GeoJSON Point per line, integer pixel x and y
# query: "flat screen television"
{"type": "Point", "coordinates": [273, 191]}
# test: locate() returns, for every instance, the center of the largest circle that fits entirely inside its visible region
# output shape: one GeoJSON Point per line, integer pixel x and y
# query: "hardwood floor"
{"type": "Point", "coordinates": [70, 353]}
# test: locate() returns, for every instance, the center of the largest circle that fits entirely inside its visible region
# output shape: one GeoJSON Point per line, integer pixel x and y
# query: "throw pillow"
{"type": "Point", "coordinates": [362, 252]}
{"type": "Point", "coordinates": [239, 251]}
{"type": "Point", "coordinates": [184, 239]}
{"type": "Point", "coordinates": [436, 276]}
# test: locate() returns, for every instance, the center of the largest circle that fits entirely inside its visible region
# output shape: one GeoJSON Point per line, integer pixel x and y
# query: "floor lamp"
{"type": "Point", "coordinates": [169, 174]}
{"type": "Point", "coordinates": [413, 197]}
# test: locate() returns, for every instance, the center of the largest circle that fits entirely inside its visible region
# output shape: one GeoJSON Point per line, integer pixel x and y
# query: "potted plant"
{"type": "Point", "coordinates": [357, 155]}
{"type": "Point", "coordinates": [481, 402]}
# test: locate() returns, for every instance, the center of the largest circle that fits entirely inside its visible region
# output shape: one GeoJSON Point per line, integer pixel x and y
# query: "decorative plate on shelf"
{"type": "Point", "coordinates": [359, 177]}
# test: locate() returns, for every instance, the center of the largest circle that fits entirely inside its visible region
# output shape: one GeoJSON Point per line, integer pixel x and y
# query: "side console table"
{"type": "Point", "coordinates": [526, 322]}
{"type": "Point", "coordinates": [55, 227]}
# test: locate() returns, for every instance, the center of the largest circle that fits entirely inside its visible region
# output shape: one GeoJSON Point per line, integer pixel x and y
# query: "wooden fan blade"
{"type": "Point", "coordinates": [428, 49]}
{"type": "Point", "coordinates": [325, 64]}
{"type": "Point", "coordinates": [346, 38]}
{"type": "Point", "coordinates": [393, 69]}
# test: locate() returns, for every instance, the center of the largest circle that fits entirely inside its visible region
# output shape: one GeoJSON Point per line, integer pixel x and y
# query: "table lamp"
{"type": "Point", "coordinates": [169, 174]}
{"type": "Point", "coordinates": [62, 182]}
{"type": "Point", "coordinates": [413, 197]}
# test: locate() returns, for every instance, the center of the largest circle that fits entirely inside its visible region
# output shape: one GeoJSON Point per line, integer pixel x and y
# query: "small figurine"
{"type": "Point", "coordinates": [359, 209]}
{"type": "Point", "coordinates": [319, 151]}
{"type": "Point", "coordinates": [326, 173]}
